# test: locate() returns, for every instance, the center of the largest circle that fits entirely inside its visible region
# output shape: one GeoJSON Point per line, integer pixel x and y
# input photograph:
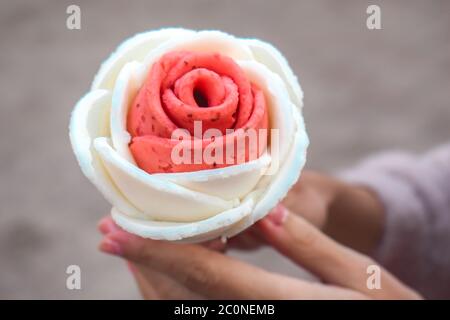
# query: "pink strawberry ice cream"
{"type": "Point", "coordinates": [186, 87]}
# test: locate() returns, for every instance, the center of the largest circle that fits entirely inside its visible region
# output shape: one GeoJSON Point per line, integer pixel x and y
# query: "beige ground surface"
{"type": "Point", "coordinates": [365, 91]}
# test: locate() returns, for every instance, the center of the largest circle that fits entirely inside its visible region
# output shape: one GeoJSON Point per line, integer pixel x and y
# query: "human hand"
{"type": "Point", "coordinates": [350, 214]}
{"type": "Point", "coordinates": [185, 271]}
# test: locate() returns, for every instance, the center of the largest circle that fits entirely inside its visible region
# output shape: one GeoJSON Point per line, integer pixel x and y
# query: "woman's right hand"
{"type": "Point", "coordinates": [350, 214]}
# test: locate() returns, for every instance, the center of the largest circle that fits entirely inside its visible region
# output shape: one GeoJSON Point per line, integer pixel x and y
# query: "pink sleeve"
{"type": "Point", "coordinates": [415, 191]}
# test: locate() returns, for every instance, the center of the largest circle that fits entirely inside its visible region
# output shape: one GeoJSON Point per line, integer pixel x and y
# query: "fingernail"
{"type": "Point", "coordinates": [106, 225]}
{"type": "Point", "coordinates": [278, 215]}
{"type": "Point", "coordinates": [110, 246]}
{"type": "Point", "coordinates": [103, 227]}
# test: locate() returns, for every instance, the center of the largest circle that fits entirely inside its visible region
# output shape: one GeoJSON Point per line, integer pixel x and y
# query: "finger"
{"type": "Point", "coordinates": [311, 196]}
{"type": "Point", "coordinates": [219, 245]}
{"type": "Point", "coordinates": [107, 225]}
{"type": "Point", "coordinates": [146, 289]}
{"type": "Point", "coordinates": [247, 241]}
{"type": "Point", "coordinates": [214, 275]}
{"type": "Point", "coordinates": [151, 284]}
{"type": "Point", "coordinates": [204, 271]}
{"type": "Point", "coordinates": [156, 285]}
{"type": "Point", "coordinates": [309, 247]}
{"type": "Point", "coordinates": [251, 238]}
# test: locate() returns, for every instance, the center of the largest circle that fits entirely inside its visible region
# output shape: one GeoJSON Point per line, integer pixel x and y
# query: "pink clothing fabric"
{"type": "Point", "coordinates": [415, 191]}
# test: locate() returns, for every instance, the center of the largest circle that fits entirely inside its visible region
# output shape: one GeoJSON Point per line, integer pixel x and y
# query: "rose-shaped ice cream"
{"type": "Point", "coordinates": [160, 81]}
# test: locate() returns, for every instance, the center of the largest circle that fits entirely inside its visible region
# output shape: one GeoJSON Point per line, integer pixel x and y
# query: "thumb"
{"type": "Point", "coordinates": [334, 263]}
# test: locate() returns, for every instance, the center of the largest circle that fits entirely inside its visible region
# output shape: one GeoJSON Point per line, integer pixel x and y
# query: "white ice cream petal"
{"type": "Point", "coordinates": [89, 120]}
{"type": "Point", "coordinates": [133, 49]}
{"type": "Point", "coordinates": [247, 220]}
{"type": "Point", "coordinates": [227, 183]}
{"type": "Point", "coordinates": [278, 102]}
{"type": "Point", "coordinates": [158, 198]}
{"type": "Point", "coordinates": [269, 56]}
{"type": "Point", "coordinates": [199, 231]}
{"type": "Point", "coordinates": [127, 85]}
{"type": "Point", "coordinates": [288, 173]}
{"type": "Point", "coordinates": [202, 41]}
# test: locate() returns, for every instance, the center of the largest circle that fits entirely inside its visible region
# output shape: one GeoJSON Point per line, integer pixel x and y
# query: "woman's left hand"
{"type": "Point", "coordinates": [165, 270]}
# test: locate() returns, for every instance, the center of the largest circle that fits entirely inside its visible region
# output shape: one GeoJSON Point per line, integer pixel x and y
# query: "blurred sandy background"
{"type": "Point", "coordinates": [365, 91]}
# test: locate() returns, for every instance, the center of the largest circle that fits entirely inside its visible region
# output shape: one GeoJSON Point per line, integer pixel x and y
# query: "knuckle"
{"type": "Point", "coordinates": [307, 238]}
{"type": "Point", "coordinates": [367, 261]}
